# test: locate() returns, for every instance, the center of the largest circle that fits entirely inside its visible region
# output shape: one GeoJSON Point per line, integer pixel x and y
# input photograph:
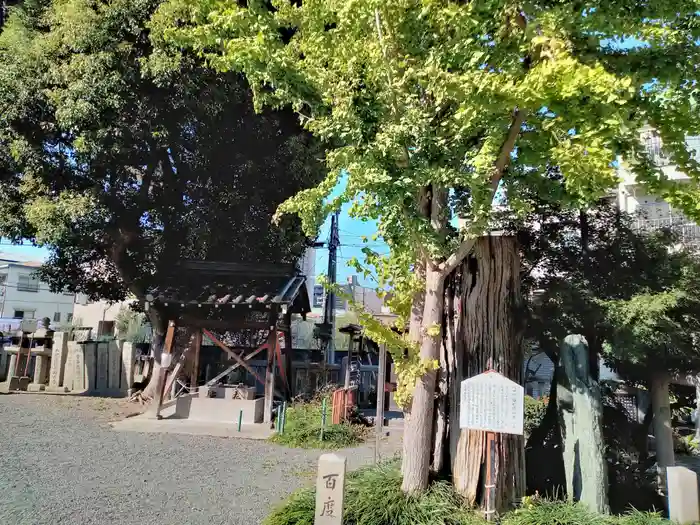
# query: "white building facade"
{"type": "Point", "coordinates": [24, 296]}
{"type": "Point", "coordinates": [652, 212]}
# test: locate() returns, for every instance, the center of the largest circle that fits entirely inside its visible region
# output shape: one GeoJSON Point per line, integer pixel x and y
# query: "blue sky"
{"type": "Point", "coordinates": [25, 252]}
{"type": "Point", "coordinates": [350, 231]}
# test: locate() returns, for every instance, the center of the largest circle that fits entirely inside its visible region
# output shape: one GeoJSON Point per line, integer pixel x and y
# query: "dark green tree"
{"type": "Point", "coordinates": [123, 161]}
{"type": "Point", "coordinates": [633, 295]}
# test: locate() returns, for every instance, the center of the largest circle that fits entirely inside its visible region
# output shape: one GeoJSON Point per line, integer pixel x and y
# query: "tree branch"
{"type": "Point", "coordinates": [503, 159]}
{"type": "Point", "coordinates": [499, 168]}
{"type": "Point", "coordinates": [458, 256]}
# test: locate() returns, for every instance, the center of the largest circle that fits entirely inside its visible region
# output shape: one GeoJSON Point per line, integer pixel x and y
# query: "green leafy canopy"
{"type": "Point", "coordinates": [124, 159]}
{"type": "Point", "coordinates": [418, 92]}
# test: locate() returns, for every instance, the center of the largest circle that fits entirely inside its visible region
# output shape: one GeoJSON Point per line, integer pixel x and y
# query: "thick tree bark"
{"type": "Point", "coordinates": [159, 325]}
{"type": "Point", "coordinates": [581, 423]}
{"type": "Point", "coordinates": [417, 304]}
{"type": "Point", "coordinates": [483, 334]}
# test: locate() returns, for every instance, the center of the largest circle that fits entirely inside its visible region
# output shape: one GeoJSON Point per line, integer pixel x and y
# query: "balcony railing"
{"type": "Point", "coordinates": [655, 149]}
{"type": "Point", "coordinates": [688, 231]}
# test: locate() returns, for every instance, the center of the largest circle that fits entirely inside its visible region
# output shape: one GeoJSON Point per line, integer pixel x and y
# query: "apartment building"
{"type": "Point", "coordinates": [652, 212]}
{"type": "Point", "coordinates": [362, 295]}
{"type": "Point", "coordinates": [24, 296]}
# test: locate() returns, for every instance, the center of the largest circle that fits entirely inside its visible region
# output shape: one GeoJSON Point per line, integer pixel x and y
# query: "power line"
{"type": "Point", "coordinates": [366, 245]}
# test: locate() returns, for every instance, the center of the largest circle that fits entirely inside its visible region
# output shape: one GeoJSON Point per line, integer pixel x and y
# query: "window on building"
{"type": "Point", "coordinates": [19, 314]}
{"type": "Point", "coordinates": [3, 278]}
{"type": "Point", "coordinates": [319, 294]}
{"type": "Point", "coordinates": [27, 283]}
{"type": "Point", "coordinates": [69, 318]}
{"type": "Point", "coordinates": [57, 317]}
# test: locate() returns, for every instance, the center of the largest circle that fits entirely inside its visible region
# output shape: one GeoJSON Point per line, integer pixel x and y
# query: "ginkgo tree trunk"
{"type": "Point", "coordinates": [430, 110]}
{"type": "Point", "coordinates": [420, 425]}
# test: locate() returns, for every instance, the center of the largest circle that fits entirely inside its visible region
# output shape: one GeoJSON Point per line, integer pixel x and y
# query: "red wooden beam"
{"type": "Point", "coordinates": [232, 354]}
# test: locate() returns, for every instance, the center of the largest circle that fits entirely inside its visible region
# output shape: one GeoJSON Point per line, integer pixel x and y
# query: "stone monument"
{"type": "Point", "coordinates": [330, 488]}
{"type": "Point", "coordinates": [581, 416]}
{"type": "Point", "coordinates": [683, 501]}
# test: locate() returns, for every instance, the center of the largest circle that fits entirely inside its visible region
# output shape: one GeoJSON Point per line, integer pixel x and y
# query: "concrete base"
{"type": "Point", "coordinates": [57, 389]}
{"type": "Point", "coordinates": [193, 428]}
{"type": "Point", "coordinates": [216, 410]}
{"type": "Point", "coordinates": [19, 383]}
{"type": "Point", "coordinates": [227, 392]}
{"type": "Point", "coordinates": [33, 387]}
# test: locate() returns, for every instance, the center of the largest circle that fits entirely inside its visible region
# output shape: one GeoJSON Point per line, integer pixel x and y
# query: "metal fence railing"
{"type": "Point", "coordinates": [655, 149]}
{"type": "Point", "coordinates": [687, 231]}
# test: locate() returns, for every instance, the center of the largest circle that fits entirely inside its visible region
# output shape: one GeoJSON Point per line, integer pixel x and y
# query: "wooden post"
{"type": "Point", "coordinates": [347, 364]}
{"type": "Point", "coordinates": [381, 386]}
{"type": "Point", "coordinates": [194, 380]}
{"type": "Point", "coordinates": [29, 357]}
{"type": "Point", "coordinates": [167, 350]}
{"type": "Point", "coordinates": [179, 367]}
{"type": "Point", "coordinates": [270, 375]}
{"type": "Point", "coordinates": [490, 485]}
{"type": "Point", "coordinates": [288, 354]}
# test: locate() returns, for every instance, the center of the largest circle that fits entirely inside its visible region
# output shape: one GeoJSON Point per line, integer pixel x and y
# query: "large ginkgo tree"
{"type": "Point", "coordinates": [433, 108]}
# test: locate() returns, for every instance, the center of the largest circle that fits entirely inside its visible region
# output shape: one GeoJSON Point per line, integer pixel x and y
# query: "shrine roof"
{"type": "Point", "coordinates": [220, 285]}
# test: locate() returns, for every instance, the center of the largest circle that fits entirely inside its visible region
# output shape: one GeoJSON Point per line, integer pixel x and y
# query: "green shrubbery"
{"type": "Point", "coordinates": [373, 496]}
{"type": "Point", "coordinates": [535, 409]}
{"type": "Point", "coordinates": [686, 444]}
{"type": "Point", "coordinates": [302, 429]}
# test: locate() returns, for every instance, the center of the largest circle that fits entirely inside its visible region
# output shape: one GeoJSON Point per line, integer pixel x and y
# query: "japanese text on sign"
{"type": "Point", "coordinates": [492, 403]}
{"type": "Point", "coordinates": [330, 485]}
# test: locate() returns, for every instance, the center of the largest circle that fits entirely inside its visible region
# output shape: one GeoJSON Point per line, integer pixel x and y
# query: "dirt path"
{"type": "Point", "coordinates": [61, 463]}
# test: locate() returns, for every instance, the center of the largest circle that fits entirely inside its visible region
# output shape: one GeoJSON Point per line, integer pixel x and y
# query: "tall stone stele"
{"type": "Point", "coordinates": [581, 419]}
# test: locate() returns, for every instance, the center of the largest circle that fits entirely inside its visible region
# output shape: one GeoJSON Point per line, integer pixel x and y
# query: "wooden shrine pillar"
{"type": "Point", "coordinates": [194, 378]}
{"type": "Point", "coordinates": [272, 343]}
{"type": "Point", "coordinates": [288, 353]}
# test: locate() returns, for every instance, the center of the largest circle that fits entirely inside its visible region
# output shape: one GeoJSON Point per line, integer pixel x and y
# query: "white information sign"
{"type": "Point", "coordinates": [493, 403]}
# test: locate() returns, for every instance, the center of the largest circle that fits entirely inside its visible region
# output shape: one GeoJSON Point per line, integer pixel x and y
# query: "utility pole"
{"type": "Point", "coordinates": [329, 310]}
{"type": "Point", "coordinates": [326, 330]}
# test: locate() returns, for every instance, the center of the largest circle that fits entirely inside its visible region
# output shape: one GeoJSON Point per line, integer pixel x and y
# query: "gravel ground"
{"type": "Point", "coordinates": [60, 463]}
